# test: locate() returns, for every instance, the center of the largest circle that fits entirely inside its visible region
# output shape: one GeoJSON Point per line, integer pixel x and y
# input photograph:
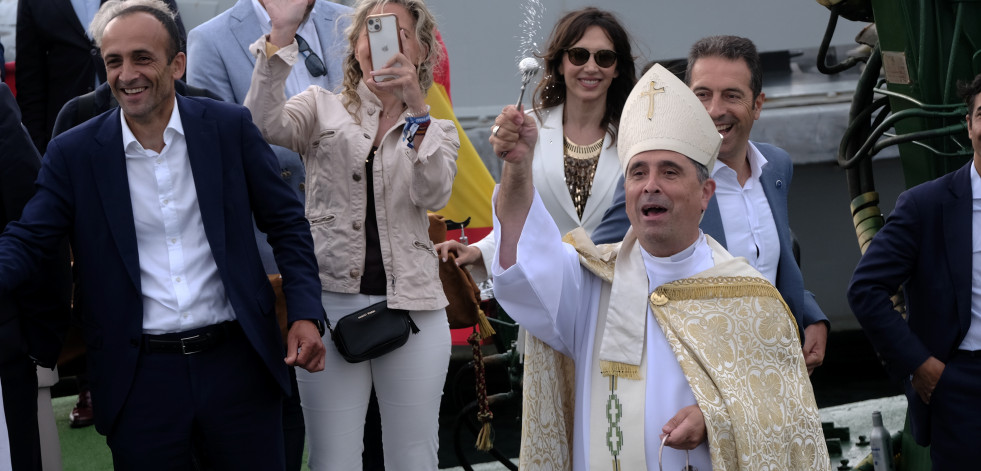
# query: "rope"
{"type": "Point", "coordinates": [484, 439]}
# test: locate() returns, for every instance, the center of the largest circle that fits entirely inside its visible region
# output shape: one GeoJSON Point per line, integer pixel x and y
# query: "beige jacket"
{"type": "Point", "coordinates": [333, 146]}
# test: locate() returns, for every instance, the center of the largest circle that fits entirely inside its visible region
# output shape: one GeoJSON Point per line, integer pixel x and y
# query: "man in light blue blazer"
{"type": "Point", "coordinates": [219, 60]}
{"type": "Point", "coordinates": [753, 181]}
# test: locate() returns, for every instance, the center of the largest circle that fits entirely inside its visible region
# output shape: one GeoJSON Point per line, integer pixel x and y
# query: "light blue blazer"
{"type": "Point", "coordinates": [218, 56]}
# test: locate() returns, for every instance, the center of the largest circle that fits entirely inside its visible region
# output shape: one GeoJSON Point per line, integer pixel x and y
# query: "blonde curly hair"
{"type": "Point", "coordinates": [425, 33]}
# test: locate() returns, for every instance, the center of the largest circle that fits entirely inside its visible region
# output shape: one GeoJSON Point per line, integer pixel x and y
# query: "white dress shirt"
{"type": "Point", "coordinates": [748, 222]}
{"type": "Point", "coordinates": [972, 341]}
{"type": "Point", "coordinates": [299, 78]}
{"type": "Point", "coordinates": [181, 287]}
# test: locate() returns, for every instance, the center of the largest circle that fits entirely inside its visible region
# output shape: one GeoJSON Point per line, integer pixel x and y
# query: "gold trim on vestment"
{"type": "Point", "coordinates": [598, 259]}
{"type": "Point", "coordinates": [619, 370]}
{"type": "Point", "coordinates": [718, 287]}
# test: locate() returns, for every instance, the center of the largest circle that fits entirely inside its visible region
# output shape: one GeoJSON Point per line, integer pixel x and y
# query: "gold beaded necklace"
{"type": "Point", "coordinates": [580, 168]}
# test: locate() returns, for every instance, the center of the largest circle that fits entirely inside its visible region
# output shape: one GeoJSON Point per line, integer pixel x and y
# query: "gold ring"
{"type": "Point", "coordinates": [495, 129]}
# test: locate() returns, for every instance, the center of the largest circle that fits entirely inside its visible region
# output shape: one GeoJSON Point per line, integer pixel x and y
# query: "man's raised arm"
{"type": "Point", "coordinates": [513, 137]}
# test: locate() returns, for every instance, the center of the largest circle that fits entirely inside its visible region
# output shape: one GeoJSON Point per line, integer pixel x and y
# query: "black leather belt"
{"type": "Point", "coordinates": [191, 341]}
{"type": "Point", "coordinates": [970, 353]}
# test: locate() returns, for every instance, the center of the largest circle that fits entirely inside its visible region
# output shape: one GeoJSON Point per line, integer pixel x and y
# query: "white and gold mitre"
{"type": "Point", "coordinates": [661, 113]}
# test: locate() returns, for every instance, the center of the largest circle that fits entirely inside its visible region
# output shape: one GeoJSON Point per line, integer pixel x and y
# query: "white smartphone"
{"type": "Point", "coordinates": [384, 41]}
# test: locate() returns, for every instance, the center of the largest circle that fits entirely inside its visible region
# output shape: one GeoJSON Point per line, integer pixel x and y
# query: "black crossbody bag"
{"type": "Point", "coordinates": [371, 332]}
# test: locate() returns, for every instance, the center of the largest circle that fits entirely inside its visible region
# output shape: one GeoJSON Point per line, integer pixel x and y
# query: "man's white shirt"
{"type": "Point", "coordinates": [972, 341]}
{"type": "Point", "coordinates": [179, 278]}
{"type": "Point", "coordinates": [747, 220]}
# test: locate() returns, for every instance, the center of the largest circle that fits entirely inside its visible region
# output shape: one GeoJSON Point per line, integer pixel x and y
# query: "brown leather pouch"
{"type": "Point", "coordinates": [458, 286]}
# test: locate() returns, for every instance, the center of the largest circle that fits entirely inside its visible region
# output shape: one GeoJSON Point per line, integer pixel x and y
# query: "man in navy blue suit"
{"type": "Point", "coordinates": [931, 246]}
{"type": "Point", "coordinates": [752, 182]}
{"type": "Point", "coordinates": [158, 198]}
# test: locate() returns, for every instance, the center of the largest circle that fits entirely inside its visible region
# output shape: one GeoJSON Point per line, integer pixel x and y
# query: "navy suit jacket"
{"type": "Point", "coordinates": [775, 179]}
{"type": "Point", "coordinates": [925, 246]}
{"type": "Point", "coordinates": [83, 191]}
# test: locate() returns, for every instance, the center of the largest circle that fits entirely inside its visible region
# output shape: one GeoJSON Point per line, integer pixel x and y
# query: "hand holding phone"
{"type": "Point", "coordinates": [384, 41]}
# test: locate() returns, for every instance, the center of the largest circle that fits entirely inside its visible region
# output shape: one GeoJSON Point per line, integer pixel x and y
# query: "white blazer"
{"type": "Point", "coordinates": [548, 170]}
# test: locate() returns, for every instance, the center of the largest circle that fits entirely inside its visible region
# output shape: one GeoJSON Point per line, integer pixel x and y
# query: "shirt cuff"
{"type": "Point", "coordinates": [271, 48]}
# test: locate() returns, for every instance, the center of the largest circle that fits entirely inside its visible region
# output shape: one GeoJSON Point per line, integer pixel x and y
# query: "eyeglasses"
{"type": "Point", "coordinates": [314, 65]}
{"type": "Point", "coordinates": [579, 56]}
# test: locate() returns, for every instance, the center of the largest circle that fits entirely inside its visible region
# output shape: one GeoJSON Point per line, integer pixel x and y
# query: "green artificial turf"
{"type": "Point", "coordinates": [83, 449]}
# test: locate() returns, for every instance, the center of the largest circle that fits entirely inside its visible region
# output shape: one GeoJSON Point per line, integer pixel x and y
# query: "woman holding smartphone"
{"type": "Point", "coordinates": [589, 71]}
{"type": "Point", "coordinates": [375, 162]}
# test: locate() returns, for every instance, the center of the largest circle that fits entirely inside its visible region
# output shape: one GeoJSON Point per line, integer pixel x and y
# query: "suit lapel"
{"type": "Point", "coordinates": [957, 213]}
{"type": "Point", "coordinates": [245, 27]}
{"type": "Point", "coordinates": [712, 222]}
{"type": "Point", "coordinates": [775, 190]}
{"type": "Point", "coordinates": [550, 138]}
{"type": "Point", "coordinates": [108, 160]}
{"type": "Point", "coordinates": [604, 183]}
{"type": "Point", "coordinates": [68, 10]}
{"type": "Point", "coordinates": [327, 26]}
{"type": "Point", "coordinates": [205, 155]}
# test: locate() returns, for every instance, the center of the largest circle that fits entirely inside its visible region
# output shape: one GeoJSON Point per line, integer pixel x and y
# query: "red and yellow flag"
{"type": "Point", "coordinates": [473, 186]}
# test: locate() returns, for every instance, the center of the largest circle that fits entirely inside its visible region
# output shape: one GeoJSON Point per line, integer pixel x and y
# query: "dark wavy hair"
{"type": "Point", "coordinates": [569, 29]}
{"type": "Point", "coordinates": [732, 48]}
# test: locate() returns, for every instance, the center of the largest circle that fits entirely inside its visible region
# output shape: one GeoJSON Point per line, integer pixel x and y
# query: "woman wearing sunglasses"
{"type": "Point", "coordinates": [376, 162]}
{"type": "Point", "coordinates": [589, 71]}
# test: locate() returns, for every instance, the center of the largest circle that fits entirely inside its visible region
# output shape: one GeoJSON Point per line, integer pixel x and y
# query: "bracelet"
{"type": "Point", "coordinates": [415, 126]}
{"type": "Point", "coordinates": [419, 114]}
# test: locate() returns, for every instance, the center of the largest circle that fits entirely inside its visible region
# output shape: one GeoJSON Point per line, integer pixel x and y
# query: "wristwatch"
{"type": "Point", "coordinates": [320, 325]}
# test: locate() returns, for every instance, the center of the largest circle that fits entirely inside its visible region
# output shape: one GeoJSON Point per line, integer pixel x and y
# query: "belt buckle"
{"type": "Point", "coordinates": [190, 350]}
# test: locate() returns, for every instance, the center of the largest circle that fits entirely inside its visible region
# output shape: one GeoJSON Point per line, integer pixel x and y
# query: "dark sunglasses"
{"type": "Point", "coordinates": [579, 56]}
{"type": "Point", "coordinates": [314, 65]}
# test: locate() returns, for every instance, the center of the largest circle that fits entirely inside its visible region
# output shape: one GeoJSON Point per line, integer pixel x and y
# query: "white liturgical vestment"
{"type": "Point", "coordinates": [714, 333]}
{"type": "Point", "coordinates": [555, 283]}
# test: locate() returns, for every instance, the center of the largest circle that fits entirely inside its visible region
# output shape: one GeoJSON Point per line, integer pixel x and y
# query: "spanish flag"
{"type": "Point", "coordinates": [473, 186]}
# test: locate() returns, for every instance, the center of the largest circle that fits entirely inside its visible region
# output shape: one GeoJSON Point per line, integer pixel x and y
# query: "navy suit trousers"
{"type": "Point", "coordinates": [222, 401]}
{"type": "Point", "coordinates": [955, 413]}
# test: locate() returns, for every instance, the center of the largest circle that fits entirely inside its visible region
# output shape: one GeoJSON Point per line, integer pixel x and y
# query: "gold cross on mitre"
{"type": "Point", "coordinates": [651, 91]}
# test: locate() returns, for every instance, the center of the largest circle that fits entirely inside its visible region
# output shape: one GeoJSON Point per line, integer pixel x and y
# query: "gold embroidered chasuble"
{"type": "Point", "coordinates": [737, 345]}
